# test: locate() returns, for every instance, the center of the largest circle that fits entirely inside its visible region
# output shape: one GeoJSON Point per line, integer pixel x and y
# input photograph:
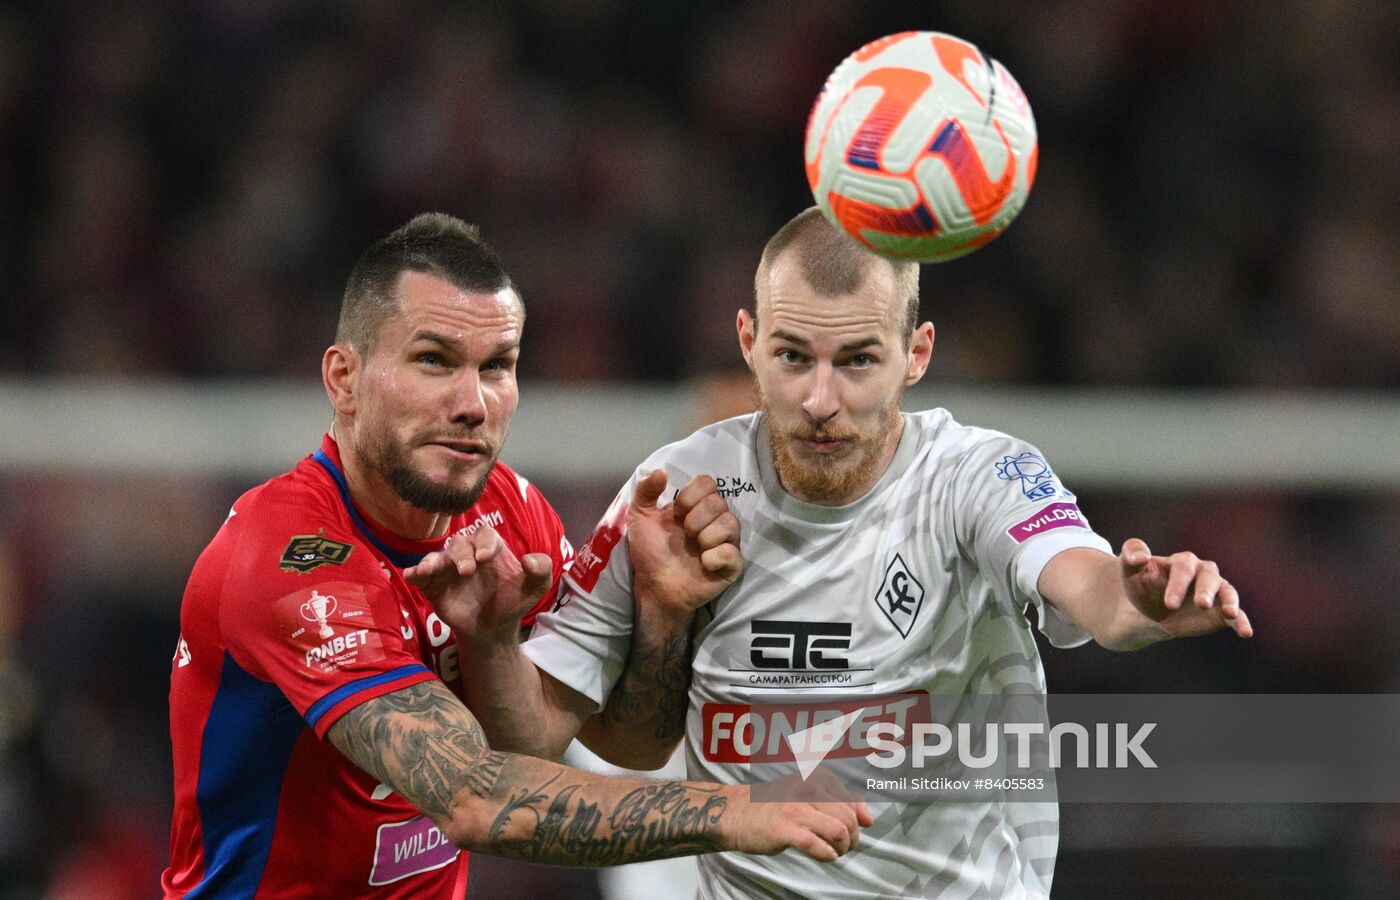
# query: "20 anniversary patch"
{"type": "Point", "coordinates": [309, 551]}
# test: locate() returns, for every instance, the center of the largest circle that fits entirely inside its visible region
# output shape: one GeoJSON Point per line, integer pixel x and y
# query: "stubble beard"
{"type": "Point", "coordinates": [390, 460]}
{"type": "Point", "coordinates": [819, 479]}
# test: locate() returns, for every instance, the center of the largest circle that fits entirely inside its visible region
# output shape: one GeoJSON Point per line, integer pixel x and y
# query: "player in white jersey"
{"type": "Point", "coordinates": [884, 553]}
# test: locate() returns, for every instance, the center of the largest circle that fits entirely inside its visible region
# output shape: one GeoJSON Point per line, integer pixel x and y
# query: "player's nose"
{"type": "Point", "coordinates": [821, 401]}
{"type": "Point", "coordinates": [468, 402]}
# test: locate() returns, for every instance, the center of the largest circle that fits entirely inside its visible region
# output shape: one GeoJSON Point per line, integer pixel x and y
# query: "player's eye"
{"type": "Point", "coordinates": [790, 356]}
{"type": "Point", "coordinates": [432, 360]}
{"type": "Point", "coordinates": [499, 364]}
{"type": "Point", "coordinates": [861, 361]}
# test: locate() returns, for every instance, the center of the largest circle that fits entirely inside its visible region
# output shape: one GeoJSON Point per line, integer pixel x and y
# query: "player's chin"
{"type": "Point", "coordinates": [820, 478]}
{"type": "Point", "coordinates": [447, 497]}
{"type": "Point", "coordinates": [465, 480]}
{"type": "Point", "coordinates": [441, 487]}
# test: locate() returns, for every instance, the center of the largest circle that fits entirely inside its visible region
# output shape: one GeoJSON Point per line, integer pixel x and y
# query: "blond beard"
{"type": "Point", "coordinates": [823, 481]}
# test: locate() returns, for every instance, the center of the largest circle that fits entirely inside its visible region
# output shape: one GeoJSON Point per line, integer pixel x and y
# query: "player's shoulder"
{"type": "Point", "coordinates": [987, 462]}
{"type": "Point", "coordinates": [948, 440]}
{"type": "Point", "coordinates": [729, 443]}
{"type": "Point", "coordinates": [305, 494]}
{"type": "Point", "coordinates": [294, 524]}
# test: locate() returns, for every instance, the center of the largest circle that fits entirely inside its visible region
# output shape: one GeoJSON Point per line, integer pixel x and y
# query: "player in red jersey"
{"type": "Point", "coordinates": [321, 747]}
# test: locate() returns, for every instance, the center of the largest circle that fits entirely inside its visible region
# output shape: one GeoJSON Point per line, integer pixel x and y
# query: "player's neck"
{"type": "Point", "coordinates": [375, 498]}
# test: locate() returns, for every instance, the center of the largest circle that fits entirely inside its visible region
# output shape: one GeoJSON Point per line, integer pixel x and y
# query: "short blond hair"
{"type": "Point", "coordinates": [833, 264]}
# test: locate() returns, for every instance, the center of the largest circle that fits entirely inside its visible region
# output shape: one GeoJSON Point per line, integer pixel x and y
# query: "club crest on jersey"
{"type": "Point", "coordinates": [1032, 473]}
{"type": "Point", "coordinates": [900, 596]}
{"type": "Point", "coordinates": [311, 551]}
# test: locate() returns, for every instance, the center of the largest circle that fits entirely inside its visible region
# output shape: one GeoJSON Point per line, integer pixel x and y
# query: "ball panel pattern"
{"type": "Point", "coordinates": [921, 147]}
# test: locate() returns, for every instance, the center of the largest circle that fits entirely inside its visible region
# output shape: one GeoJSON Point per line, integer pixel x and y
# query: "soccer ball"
{"type": "Point", "coordinates": [920, 147]}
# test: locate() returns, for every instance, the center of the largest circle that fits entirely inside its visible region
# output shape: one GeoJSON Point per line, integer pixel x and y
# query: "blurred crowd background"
{"type": "Point", "coordinates": [185, 185]}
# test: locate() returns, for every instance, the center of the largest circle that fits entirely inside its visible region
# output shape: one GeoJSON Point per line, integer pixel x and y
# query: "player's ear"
{"type": "Point", "coordinates": [340, 366]}
{"type": "Point", "coordinates": [746, 327]}
{"type": "Point", "coordinates": [920, 350]}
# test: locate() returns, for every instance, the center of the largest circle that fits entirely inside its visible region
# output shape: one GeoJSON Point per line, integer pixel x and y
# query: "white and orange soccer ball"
{"type": "Point", "coordinates": [921, 147]}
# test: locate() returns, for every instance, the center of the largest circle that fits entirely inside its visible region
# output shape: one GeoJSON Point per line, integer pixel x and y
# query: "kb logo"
{"type": "Point", "coordinates": [900, 596]}
{"type": "Point", "coordinates": [799, 644]}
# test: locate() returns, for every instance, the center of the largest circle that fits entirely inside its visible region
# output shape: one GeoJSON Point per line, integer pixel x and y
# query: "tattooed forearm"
{"type": "Point", "coordinates": [555, 823]}
{"type": "Point", "coordinates": [421, 742]}
{"type": "Point", "coordinates": [651, 696]}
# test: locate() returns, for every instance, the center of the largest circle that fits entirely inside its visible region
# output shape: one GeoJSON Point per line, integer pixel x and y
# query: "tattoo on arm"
{"type": "Point", "coordinates": [653, 692]}
{"type": "Point", "coordinates": [422, 742]}
{"type": "Point", "coordinates": [425, 744]}
{"type": "Point", "coordinates": [654, 821]}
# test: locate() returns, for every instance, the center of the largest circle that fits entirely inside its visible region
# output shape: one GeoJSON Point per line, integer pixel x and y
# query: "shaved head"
{"type": "Point", "coordinates": [834, 265]}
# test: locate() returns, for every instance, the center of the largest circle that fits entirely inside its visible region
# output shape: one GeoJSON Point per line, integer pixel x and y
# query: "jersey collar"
{"type": "Point", "coordinates": [402, 552]}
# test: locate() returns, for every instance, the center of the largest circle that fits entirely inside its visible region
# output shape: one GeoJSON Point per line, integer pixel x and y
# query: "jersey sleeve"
{"type": "Point", "coordinates": [583, 640]}
{"type": "Point", "coordinates": [548, 537]}
{"type": "Point", "coordinates": [1011, 516]}
{"type": "Point", "coordinates": [330, 634]}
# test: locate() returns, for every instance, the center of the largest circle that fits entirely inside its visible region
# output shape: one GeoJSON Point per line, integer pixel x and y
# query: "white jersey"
{"type": "Point", "coordinates": [920, 585]}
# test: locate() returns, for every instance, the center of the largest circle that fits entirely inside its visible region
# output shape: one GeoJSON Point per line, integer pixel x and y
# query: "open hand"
{"type": "Point", "coordinates": [1182, 593]}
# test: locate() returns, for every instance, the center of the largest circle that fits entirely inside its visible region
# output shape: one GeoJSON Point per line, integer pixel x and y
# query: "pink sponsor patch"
{"type": "Point", "coordinates": [407, 848]}
{"type": "Point", "coordinates": [1056, 515]}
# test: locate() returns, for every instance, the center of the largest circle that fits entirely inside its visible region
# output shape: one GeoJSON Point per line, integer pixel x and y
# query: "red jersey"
{"type": "Point", "coordinates": [296, 613]}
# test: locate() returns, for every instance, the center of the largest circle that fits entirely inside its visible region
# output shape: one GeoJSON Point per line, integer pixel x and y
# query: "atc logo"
{"type": "Point", "coordinates": [797, 656]}
{"type": "Point", "coordinates": [900, 596]}
{"type": "Point", "coordinates": [796, 645]}
{"type": "Point", "coordinates": [1037, 482]}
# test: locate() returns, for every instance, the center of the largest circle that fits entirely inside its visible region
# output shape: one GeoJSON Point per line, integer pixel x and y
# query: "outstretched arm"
{"type": "Point", "coordinates": [423, 743]}
{"type": "Point", "coordinates": [1136, 599]}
